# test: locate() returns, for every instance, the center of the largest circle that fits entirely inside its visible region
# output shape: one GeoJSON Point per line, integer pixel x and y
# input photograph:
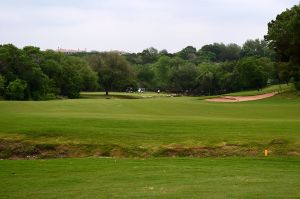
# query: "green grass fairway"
{"type": "Point", "coordinates": [145, 128]}
{"type": "Point", "coordinates": [155, 125]}
{"type": "Point", "coordinates": [151, 178]}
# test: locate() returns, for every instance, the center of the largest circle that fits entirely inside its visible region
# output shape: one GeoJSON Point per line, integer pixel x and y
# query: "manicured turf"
{"type": "Point", "coordinates": [150, 127]}
{"type": "Point", "coordinates": [155, 122]}
{"type": "Point", "coordinates": [151, 178]}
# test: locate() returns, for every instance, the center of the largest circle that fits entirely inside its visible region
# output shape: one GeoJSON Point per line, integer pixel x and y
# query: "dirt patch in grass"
{"type": "Point", "coordinates": [11, 149]}
{"type": "Point", "coordinates": [208, 151]}
{"type": "Point", "coordinates": [242, 98]}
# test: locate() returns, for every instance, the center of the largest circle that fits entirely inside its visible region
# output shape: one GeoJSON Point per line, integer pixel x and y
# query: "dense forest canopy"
{"type": "Point", "coordinates": [213, 69]}
{"type": "Point", "coordinates": [32, 74]}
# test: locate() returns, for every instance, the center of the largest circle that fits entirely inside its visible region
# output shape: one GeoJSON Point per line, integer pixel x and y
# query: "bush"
{"type": "Point", "coordinates": [16, 90]}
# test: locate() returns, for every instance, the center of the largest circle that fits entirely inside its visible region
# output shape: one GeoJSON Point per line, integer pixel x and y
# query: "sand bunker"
{"type": "Point", "coordinates": [241, 98]}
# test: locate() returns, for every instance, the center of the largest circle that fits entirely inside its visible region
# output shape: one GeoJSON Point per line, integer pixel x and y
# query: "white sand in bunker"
{"type": "Point", "coordinates": [241, 98]}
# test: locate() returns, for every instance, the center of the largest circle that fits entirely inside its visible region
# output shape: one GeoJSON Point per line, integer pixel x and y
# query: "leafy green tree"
{"type": "Point", "coordinates": [251, 73]}
{"type": "Point", "coordinates": [206, 56]}
{"type": "Point", "coordinates": [257, 48]}
{"type": "Point", "coordinates": [24, 65]}
{"type": "Point", "coordinates": [53, 69]}
{"type": "Point", "coordinates": [112, 69]}
{"type": "Point", "coordinates": [283, 70]}
{"type": "Point", "coordinates": [162, 72]}
{"type": "Point", "coordinates": [188, 53]}
{"type": "Point", "coordinates": [149, 55]}
{"type": "Point", "coordinates": [214, 49]}
{"type": "Point", "coordinates": [38, 84]}
{"type": "Point", "coordinates": [71, 81]}
{"type": "Point", "coordinates": [164, 52]}
{"type": "Point", "coordinates": [232, 52]}
{"type": "Point", "coordinates": [145, 77]}
{"type": "Point", "coordinates": [183, 78]}
{"type": "Point", "coordinates": [10, 57]}
{"type": "Point", "coordinates": [226, 79]}
{"type": "Point", "coordinates": [284, 37]}
{"type": "Point", "coordinates": [133, 58]}
{"type": "Point", "coordinates": [88, 77]}
{"type": "Point", "coordinates": [207, 78]}
{"type": "Point", "coordinates": [33, 54]}
{"type": "Point", "coordinates": [220, 52]}
{"type": "Point", "coordinates": [227, 82]}
{"type": "Point", "coordinates": [16, 90]}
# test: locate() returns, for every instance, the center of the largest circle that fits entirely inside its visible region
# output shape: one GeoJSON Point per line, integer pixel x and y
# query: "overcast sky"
{"type": "Point", "coordinates": [133, 25]}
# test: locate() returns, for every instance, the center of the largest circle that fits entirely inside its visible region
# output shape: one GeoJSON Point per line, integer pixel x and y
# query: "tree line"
{"type": "Point", "coordinates": [32, 74]}
{"type": "Point", "coordinates": [214, 69]}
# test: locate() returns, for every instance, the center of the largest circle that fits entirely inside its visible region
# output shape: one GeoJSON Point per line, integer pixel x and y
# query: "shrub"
{"type": "Point", "coordinates": [16, 90]}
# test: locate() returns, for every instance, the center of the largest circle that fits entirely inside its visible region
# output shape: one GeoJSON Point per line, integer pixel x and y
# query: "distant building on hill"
{"type": "Point", "coordinates": [69, 51]}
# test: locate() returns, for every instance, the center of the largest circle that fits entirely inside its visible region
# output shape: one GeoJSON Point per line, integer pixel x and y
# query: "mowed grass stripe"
{"type": "Point", "coordinates": [151, 178]}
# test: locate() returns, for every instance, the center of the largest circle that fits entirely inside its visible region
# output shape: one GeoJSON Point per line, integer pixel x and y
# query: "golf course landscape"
{"type": "Point", "coordinates": [150, 99]}
{"type": "Point", "coordinates": [150, 146]}
{"type": "Point", "coordinates": [146, 127]}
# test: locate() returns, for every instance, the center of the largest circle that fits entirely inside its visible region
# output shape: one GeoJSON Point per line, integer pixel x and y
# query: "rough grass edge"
{"type": "Point", "coordinates": [18, 149]}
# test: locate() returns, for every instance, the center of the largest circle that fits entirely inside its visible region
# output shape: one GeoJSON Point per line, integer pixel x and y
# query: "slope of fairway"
{"type": "Point", "coordinates": [151, 178]}
{"type": "Point", "coordinates": [158, 126]}
{"type": "Point", "coordinates": [270, 89]}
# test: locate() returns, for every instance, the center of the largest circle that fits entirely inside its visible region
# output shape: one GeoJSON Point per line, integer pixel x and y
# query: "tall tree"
{"type": "Point", "coordinates": [232, 52]}
{"type": "Point", "coordinates": [145, 76]}
{"type": "Point", "coordinates": [284, 37]}
{"type": "Point", "coordinates": [257, 48]}
{"type": "Point", "coordinates": [112, 69]}
{"type": "Point", "coordinates": [162, 72]}
{"type": "Point", "coordinates": [220, 52]}
{"type": "Point", "coordinates": [183, 78]}
{"type": "Point", "coordinates": [207, 78]}
{"type": "Point", "coordinates": [16, 90]}
{"type": "Point", "coordinates": [149, 55]}
{"type": "Point", "coordinates": [188, 53]}
{"type": "Point", "coordinates": [252, 73]}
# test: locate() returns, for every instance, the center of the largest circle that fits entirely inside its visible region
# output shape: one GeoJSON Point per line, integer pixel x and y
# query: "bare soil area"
{"type": "Point", "coordinates": [241, 98]}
